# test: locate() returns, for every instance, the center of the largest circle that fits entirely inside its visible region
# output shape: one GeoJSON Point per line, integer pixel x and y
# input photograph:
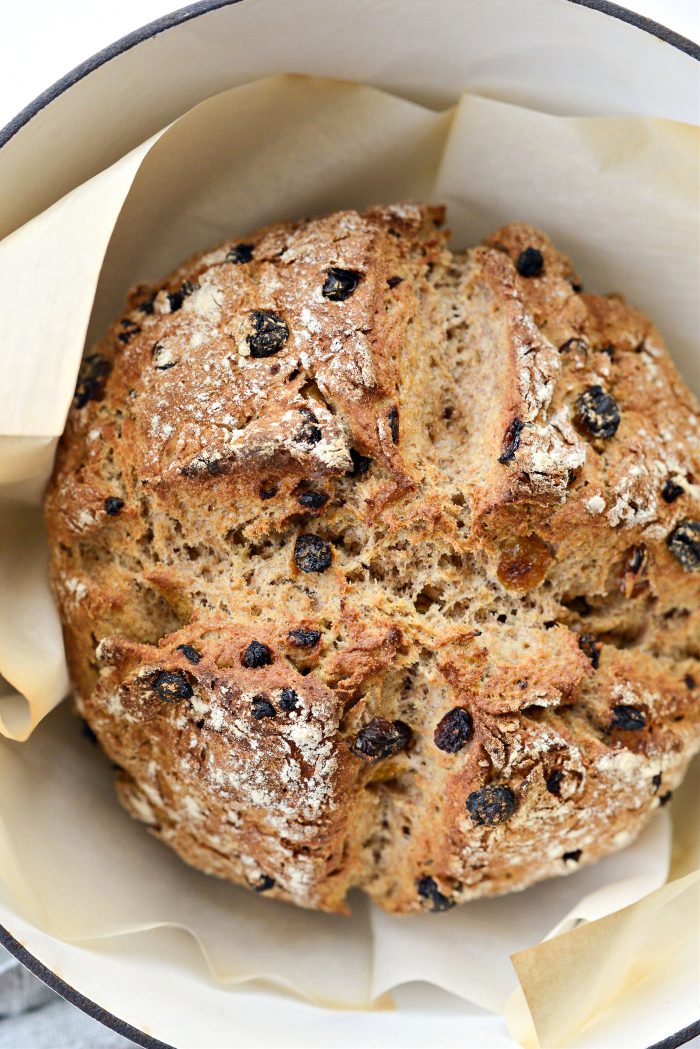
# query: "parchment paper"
{"type": "Point", "coordinates": [620, 196]}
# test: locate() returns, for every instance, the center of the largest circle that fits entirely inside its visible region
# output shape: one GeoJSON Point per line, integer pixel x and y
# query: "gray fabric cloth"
{"type": "Point", "coordinates": [33, 1017]}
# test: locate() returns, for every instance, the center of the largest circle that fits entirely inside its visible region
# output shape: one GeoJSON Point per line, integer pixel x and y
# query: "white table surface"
{"type": "Point", "coordinates": [39, 43]}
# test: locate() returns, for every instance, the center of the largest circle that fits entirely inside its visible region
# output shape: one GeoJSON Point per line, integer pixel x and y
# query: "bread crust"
{"type": "Point", "coordinates": [368, 565]}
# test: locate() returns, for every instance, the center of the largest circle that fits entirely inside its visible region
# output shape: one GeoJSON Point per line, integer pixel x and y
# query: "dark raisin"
{"type": "Point", "coordinates": [161, 363]}
{"type": "Point", "coordinates": [172, 685]}
{"type": "Point", "coordinates": [684, 544]}
{"type": "Point", "coordinates": [288, 699]}
{"type": "Point", "coordinates": [240, 254]}
{"type": "Point", "coordinates": [530, 263]}
{"type": "Point", "coordinates": [91, 380]}
{"type": "Point", "coordinates": [428, 890]}
{"type": "Point", "coordinates": [265, 883]}
{"type": "Point", "coordinates": [574, 855]}
{"type": "Point", "coordinates": [313, 500]}
{"type": "Point", "coordinates": [553, 782]}
{"type": "Point", "coordinates": [360, 464]}
{"type": "Point", "coordinates": [113, 505]}
{"type": "Point", "coordinates": [590, 646]}
{"type": "Point", "coordinates": [176, 298]}
{"type": "Point", "coordinates": [190, 654]}
{"type": "Point", "coordinates": [576, 286]}
{"type": "Point", "coordinates": [312, 554]}
{"type": "Point", "coordinates": [454, 730]}
{"type": "Point", "coordinates": [665, 798]}
{"type": "Point", "coordinates": [630, 719]}
{"type": "Point", "coordinates": [491, 805]}
{"type": "Point", "coordinates": [269, 333]}
{"type": "Point", "coordinates": [393, 282]}
{"type": "Point", "coordinates": [574, 344]}
{"type": "Point", "coordinates": [394, 424]}
{"type": "Point", "coordinates": [340, 284]}
{"type": "Point", "coordinates": [88, 733]}
{"type": "Point", "coordinates": [147, 305]}
{"type": "Point", "coordinates": [304, 638]}
{"type": "Point", "coordinates": [268, 493]}
{"type": "Point", "coordinates": [310, 433]}
{"type": "Point", "coordinates": [511, 441]}
{"type": "Point", "coordinates": [381, 739]}
{"type": "Point", "coordinates": [671, 491]}
{"type": "Point", "coordinates": [263, 708]}
{"type": "Point", "coordinates": [130, 329]}
{"type": "Point", "coordinates": [256, 655]}
{"type": "Point", "coordinates": [690, 682]}
{"type": "Point", "coordinates": [598, 412]}
{"type": "Point", "coordinates": [656, 780]}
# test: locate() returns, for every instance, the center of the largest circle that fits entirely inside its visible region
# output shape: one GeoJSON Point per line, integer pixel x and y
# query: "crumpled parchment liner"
{"type": "Point", "coordinates": [619, 195]}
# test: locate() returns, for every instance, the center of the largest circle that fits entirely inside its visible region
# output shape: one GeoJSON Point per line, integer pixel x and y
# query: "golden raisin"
{"type": "Point", "coordinates": [524, 562]}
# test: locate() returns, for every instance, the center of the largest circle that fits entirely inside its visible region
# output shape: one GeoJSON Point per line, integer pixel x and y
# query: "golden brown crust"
{"type": "Point", "coordinates": [416, 535]}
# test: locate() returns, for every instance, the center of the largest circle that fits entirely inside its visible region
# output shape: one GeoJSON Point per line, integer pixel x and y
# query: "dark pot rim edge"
{"type": "Point", "coordinates": [202, 7]}
{"type": "Point", "coordinates": [100, 58]}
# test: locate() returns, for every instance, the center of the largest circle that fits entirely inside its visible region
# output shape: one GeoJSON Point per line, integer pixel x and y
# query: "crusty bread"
{"type": "Point", "coordinates": [379, 565]}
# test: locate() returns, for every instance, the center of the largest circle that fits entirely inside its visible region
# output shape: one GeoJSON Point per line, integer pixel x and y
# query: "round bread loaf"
{"type": "Point", "coordinates": [379, 565]}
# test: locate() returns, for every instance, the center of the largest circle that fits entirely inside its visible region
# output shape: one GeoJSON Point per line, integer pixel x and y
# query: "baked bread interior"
{"type": "Point", "coordinates": [379, 564]}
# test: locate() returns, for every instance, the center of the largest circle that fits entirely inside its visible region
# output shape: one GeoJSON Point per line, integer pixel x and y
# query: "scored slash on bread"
{"type": "Point", "coordinates": [378, 563]}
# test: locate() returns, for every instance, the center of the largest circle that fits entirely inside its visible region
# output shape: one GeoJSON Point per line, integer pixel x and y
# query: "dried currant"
{"type": "Point", "coordinates": [263, 708]}
{"type": "Point", "coordinates": [265, 883]}
{"type": "Point", "coordinates": [360, 464]}
{"type": "Point", "coordinates": [381, 739]}
{"type": "Point", "coordinates": [256, 655]}
{"type": "Point", "coordinates": [671, 491]}
{"type": "Point", "coordinates": [574, 855]}
{"type": "Point", "coordinates": [491, 805]}
{"type": "Point", "coordinates": [241, 253]}
{"type": "Point", "coordinates": [530, 263]}
{"type": "Point", "coordinates": [113, 505]}
{"type": "Point", "coordinates": [147, 306]}
{"type": "Point", "coordinates": [428, 890]}
{"type": "Point", "coordinates": [304, 638]}
{"type": "Point", "coordinates": [598, 412]}
{"type": "Point", "coordinates": [288, 699]}
{"type": "Point", "coordinates": [684, 544]}
{"type": "Point", "coordinates": [511, 441]}
{"type": "Point", "coordinates": [268, 493]}
{"type": "Point", "coordinates": [665, 798]}
{"type": "Point", "coordinates": [394, 424]}
{"type": "Point", "coordinates": [630, 719]}
{"type": "Point", "coordinates": [454, 730]}
{"type": "Point", "coordinates": [176, 298]}
{"type": "Point", "coordinates": [172, 685]}
{"type": "Point", "coordinates": [313, 500]}
{"type": "Point", "coordinates": [312, 554]}
{"type": "Point", "coordinates": [91, 380]}
{"type": "Point", "coordinates": [393, 282]}
{"type": "Point", "coordinates": [591, 647]}
{"type": "Point", "coordinates": [690, 682]}
{"type": "Point", "coordinates": [269, 333]}
{"type": "Point", "coordinates": [130, 329]}
{"type": "Point", "coordinates": [656, 781]}
{"type": "Point", "coordinates": [190, 654]}
{"type": "Point", "coordinates": [340, 284]}
{"type": "Point", "coordinates": [553, 782]}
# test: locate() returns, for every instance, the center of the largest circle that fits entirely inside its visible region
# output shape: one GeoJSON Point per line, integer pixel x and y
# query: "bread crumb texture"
{"type": "Point", "coordinates": [379, 565]}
